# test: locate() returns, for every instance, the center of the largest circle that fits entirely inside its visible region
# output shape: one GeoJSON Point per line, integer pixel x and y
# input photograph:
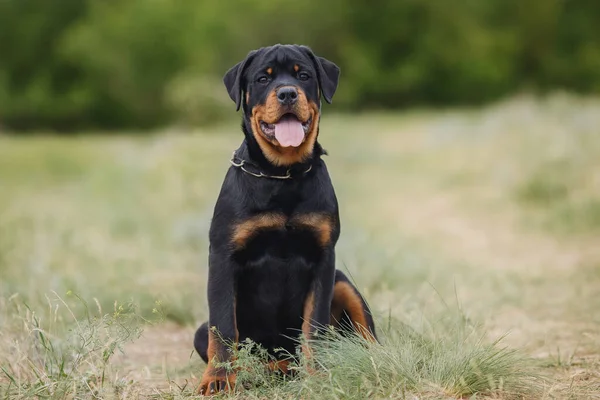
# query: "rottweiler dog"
{"type": "Point", "coordinates": [272, 275]}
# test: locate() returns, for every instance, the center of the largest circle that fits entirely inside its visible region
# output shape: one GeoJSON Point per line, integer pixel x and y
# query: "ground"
{"type": "Point", "coordinates": [494, 212]}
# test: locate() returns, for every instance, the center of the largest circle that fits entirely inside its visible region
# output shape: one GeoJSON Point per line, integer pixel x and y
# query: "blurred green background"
{"type": "Point", "coordinates": [80, 64]}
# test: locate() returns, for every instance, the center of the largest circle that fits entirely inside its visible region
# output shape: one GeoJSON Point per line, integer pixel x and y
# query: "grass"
{"type": "Point", "coordinates": [447, 356]}
{"type": "Point", "coordinates": [494, 208]}
{"type": "Point", "coordinates": [410, 361]}
{"type": "Point", "coordinates": [45, 359]}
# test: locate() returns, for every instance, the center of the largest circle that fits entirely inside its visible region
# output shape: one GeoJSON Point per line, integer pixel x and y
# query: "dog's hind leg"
{"type": "Point", "coordinates": [349, 310]}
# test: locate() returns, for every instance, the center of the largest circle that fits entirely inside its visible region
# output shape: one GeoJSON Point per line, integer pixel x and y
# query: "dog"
{"type": "Point", "coordinates": [272, 275]}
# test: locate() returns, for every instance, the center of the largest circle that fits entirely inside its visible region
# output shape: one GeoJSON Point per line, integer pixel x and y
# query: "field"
{"type": "Point", "coordinates": [474, 234]}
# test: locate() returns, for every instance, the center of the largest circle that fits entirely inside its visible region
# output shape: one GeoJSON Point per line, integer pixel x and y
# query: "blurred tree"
{"type": "Point", "coordinates": [37, 85]}
{"type": "Point", "coordinates": [74, 64]}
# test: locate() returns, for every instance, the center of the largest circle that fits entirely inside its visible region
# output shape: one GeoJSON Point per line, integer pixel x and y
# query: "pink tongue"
{"type": "Point", "coordinates": [289, 132]}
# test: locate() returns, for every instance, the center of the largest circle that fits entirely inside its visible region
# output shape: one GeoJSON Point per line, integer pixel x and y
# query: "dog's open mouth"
{"type": "Point", "coordinates": [288, 131]}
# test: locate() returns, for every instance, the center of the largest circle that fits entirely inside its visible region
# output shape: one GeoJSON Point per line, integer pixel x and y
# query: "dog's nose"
{"type": "Point", "coordinates": [287, 95]}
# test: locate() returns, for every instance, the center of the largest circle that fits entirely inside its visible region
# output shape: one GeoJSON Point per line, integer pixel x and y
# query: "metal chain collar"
{"type": "Point", "coordinates": [241, 165]}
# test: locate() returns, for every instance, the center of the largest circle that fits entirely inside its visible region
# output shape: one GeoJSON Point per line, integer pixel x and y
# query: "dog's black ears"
{"type": "Point", "coordinates": [328, 75]}
{"type": "Point", "coordinates": [327, 72]}
{"type": "Point", "coordinates": [233, 79]}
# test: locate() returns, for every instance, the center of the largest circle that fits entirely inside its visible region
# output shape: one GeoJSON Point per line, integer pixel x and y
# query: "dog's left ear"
{"type": "Point", "coordinates": [328, 74]}
{"type": "Point", "coordinates": [233, 79]}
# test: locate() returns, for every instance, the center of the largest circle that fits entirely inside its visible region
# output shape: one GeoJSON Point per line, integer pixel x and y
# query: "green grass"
{"type": "Point", "coordinates": [447, 356]}
{"type": "Point", "coordinates": [496, 209]}
{"type": "Point", "coordinates": [410, 361]}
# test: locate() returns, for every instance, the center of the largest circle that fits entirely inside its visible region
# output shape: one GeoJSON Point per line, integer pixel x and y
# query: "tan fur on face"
{"type": "Point", "coordinates": [271, 112]}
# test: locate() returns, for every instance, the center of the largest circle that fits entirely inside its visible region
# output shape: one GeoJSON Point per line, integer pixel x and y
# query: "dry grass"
{"type": "Point", "coordinates": [493, 211]}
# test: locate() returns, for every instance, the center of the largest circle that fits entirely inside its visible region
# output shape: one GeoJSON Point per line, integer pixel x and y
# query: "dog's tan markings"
{"type": "Point", "coordinates": [320, 224]}
{"type": "Point", "coordinates": [269, 70]}
{"type": "Point", "coordinates": [271, 112]}
{"type": "Point", "coordinates": [309, 306]}
{"type": "Point", "coordinates": [247, 97]}
{"type": "Point", "coordinates": [346, 299]}
{"type": "Point", "coordinates": [213, 376]}
{"type": "Point", "coordinates": [245, 230]}
{"type": "Point", "coordinates": [279, 365]}
{"type": "Point", "coordinates": [296, 68]}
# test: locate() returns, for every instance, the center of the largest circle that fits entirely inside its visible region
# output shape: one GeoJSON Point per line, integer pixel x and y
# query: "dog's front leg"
{"type": "Point", "coordinates": [317, 305]}
{"type": "Point", "coordinates": [222, 332]}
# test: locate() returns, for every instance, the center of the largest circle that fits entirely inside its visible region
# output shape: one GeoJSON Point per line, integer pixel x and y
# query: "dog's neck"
{"type": "Point", "coordinates": [251, 152]}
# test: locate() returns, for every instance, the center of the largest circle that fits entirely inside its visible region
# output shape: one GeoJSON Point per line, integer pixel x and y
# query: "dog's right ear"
{"type": "Point", "coordinates": [327, 72]}
{"type": "Point", "coordinates": [233, 79]}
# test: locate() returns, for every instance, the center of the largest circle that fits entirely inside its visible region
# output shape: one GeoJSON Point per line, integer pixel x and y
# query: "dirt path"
{"type": "Point", "coordinates": [161, 360]}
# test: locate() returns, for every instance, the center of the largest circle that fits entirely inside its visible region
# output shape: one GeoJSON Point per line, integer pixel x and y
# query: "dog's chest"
{"type": "Point", "coordinates": [279, 235]}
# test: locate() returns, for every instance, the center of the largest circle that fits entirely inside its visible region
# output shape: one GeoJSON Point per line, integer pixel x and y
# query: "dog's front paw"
{"type": "Point", "coordinates": [214, 382]}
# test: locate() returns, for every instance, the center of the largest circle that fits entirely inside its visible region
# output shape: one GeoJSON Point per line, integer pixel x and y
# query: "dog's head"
{"type": "Point", "coordinates": [280, 88]}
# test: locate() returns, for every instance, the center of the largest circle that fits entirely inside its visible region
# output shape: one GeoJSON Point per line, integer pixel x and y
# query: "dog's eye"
{"type": "Point", "coordinates": [263, 79]}
{"type": "Point", "coordinates": [303, 76]}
